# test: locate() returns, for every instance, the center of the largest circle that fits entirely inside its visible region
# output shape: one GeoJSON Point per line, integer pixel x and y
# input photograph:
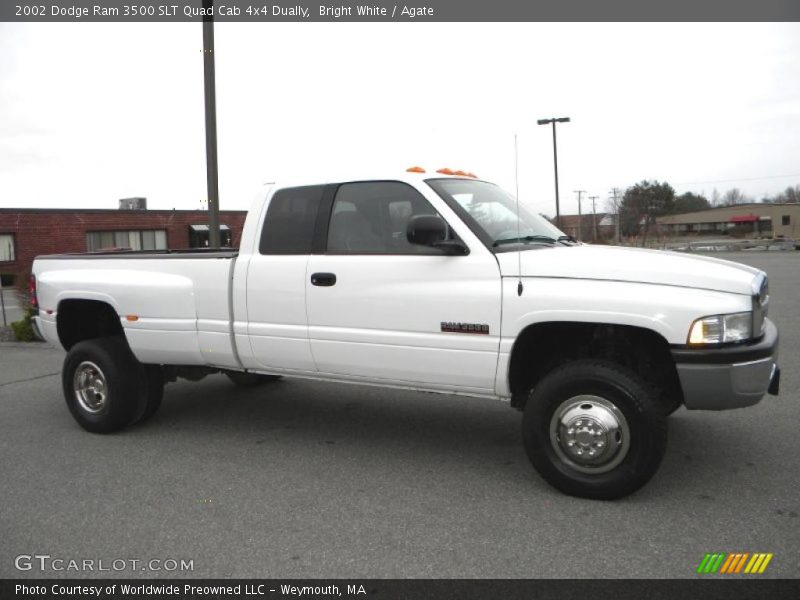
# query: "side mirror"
{"type": "Point", "coordinates": [426, 230]}
{"type": "Point", "coordinates": [430, 230]}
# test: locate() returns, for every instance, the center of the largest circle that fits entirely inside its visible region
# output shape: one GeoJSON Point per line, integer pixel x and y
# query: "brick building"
{"type": "Point", "coordinates": [28, 232]}
{"type": "Point", "coordinates": [583, 227]}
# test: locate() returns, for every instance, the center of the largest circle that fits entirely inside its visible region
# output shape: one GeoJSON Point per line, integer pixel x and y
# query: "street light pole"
{"type": "Point", "coordinates": [555, 158]}
{"type": "Point", "coordinates": [209, 80]}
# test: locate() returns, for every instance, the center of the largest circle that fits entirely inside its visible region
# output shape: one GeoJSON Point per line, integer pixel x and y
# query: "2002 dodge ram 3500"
{"type": "Point", "coordinates": [427, 282]}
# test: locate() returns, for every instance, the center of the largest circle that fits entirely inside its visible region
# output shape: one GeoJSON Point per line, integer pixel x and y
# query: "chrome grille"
{"type": "Point", "coordinates": [760, 304]}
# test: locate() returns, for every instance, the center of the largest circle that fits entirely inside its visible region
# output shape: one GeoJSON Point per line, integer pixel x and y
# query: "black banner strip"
{"type": "Point", "coordinates": [712, 588]}
{"type": "Point", "coordinates": [107, 11]}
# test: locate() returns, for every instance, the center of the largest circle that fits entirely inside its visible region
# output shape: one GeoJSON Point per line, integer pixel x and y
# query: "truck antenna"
{"type": "Point", "coordinates": [519, 249]}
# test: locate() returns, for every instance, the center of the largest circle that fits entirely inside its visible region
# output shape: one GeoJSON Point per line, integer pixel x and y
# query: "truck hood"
{"type": "Point", "coordinates": [634, 265]}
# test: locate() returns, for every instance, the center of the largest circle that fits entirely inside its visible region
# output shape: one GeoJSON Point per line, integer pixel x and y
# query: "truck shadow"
{"type": "Point", "coordinates": [409, 430]}
{"type": "Point", "coordinates": [339, 413]}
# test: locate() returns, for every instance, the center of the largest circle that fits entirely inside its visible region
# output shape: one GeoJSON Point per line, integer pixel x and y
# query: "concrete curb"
{"type": "Point", "coordinates": [28, 345]}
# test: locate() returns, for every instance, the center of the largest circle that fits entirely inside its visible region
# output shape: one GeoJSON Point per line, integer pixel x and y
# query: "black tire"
{"type": "Point", "coordinates": [109, 376]}
{"type": "Point", "coordinates": [671, 407]}
{"type": "Point", "coordinates": [589, 397]}
{"type": "Point", "coordinates": [250, 379]}
{"type": "Point", "coordinates": [152, 390]}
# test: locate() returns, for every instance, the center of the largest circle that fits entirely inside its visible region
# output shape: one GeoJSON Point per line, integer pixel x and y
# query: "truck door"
{"type": "Point", "coordinates": [385, 310]}
{"type": "Point", "coordinates": [276, 281]}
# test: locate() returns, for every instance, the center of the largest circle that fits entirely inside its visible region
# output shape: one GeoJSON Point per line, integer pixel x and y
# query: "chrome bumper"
{"type": "Point", "coordinates": [730, 377]}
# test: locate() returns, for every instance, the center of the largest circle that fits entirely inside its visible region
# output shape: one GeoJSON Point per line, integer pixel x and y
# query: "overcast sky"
{"type": "Point", "coordinates": [90, 113]}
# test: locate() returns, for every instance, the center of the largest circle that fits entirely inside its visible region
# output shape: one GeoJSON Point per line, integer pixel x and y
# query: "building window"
{"type": "Point", "coordinates": [199, 236]}
{"type": "Point", "coordinates": [140, 239]}
{"type": "Point", "coordinates": [786, 220]}
{"type": "Point", "coordinates": [7, 247]}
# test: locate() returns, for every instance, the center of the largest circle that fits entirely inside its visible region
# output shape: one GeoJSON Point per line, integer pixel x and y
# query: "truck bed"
{"type": "Point", "coordinates": [174, 305]}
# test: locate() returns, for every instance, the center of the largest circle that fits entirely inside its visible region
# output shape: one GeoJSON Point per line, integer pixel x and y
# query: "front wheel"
{"type": "Point", "coordinates": [594, 429]}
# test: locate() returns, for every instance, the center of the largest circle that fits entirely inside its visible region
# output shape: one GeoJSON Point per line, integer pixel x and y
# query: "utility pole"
{"type": "Point", "coordinates": [580, 214]}
{"type": "Point", "coordinates": [594, 217]}
{"type": "Point", "coordinates": [209, 80]}
{"type": "Point", "coordinates": [618, 209]}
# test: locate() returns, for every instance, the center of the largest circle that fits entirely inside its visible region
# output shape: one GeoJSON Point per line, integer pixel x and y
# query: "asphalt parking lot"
{"type": "Point", "coordinates": [306, 479]}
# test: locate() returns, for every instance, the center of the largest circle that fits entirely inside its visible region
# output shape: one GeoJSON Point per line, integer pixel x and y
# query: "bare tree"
{"type": "Point", "coordinates": [790, 195]}
{"type": "Point", "coordinates": [734, 196]}
{"type": "Point", "coordinates": [613, 204]}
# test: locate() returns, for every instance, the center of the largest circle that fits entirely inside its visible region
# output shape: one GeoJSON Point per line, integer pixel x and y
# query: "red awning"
{"type": "Point", "coordinates": [743, 219]}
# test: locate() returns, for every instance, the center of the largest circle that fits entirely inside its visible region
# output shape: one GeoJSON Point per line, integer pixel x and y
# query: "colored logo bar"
{"type": "Point", "coordinates": [735, 563]}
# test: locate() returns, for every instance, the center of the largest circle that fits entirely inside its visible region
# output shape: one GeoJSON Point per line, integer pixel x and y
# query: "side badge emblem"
{"type": "Point", "coordinates": [455, 327]}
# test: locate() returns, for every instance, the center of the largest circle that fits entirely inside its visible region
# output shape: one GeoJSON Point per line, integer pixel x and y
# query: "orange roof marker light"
{"type": "Point", "coordinates": [415, 170]}
{"type": "Point", "coordinates": [458, 173]}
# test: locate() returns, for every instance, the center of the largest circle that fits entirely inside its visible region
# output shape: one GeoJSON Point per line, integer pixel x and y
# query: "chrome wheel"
{"type": "Point", "coordinates": [590, 434]}
{"type": "Point", "coordinates": [91, 390]}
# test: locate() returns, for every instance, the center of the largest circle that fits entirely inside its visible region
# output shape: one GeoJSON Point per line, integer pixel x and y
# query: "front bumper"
{"type": "Point", "coordinates": [730, 376]}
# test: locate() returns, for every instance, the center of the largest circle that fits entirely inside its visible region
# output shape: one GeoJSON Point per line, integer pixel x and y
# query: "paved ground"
{"type": "Point", "coordinates": [302, 479]}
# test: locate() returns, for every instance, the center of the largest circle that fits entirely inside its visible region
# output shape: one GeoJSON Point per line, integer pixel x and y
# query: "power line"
{"type": "Point", "coordinates": [740, 179]}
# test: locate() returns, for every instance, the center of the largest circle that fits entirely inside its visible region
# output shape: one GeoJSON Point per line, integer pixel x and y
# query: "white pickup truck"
{"type": "Point", "coordinates": [431, 282]}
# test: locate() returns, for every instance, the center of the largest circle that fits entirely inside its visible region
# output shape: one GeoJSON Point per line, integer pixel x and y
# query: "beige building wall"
{"type": "Point", "coordinates": [781, 220]}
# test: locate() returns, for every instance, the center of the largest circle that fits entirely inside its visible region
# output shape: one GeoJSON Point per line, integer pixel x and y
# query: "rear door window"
{"type": "Point", "coordinates": [289, 224]}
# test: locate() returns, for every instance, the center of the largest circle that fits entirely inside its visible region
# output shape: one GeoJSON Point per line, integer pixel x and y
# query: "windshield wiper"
{"type": "Point", "coordinates": [536, 239]}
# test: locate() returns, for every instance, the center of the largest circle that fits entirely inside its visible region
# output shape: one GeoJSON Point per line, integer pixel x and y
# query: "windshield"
{"type": "Point", "coordinates": [493, 212]}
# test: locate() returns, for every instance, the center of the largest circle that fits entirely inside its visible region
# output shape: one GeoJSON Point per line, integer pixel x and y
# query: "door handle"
{"type": "Point", "coordinates": [323, 279]}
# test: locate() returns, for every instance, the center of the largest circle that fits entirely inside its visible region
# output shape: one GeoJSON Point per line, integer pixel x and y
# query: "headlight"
{"type": "Point", "coordinates": [722, 329]}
